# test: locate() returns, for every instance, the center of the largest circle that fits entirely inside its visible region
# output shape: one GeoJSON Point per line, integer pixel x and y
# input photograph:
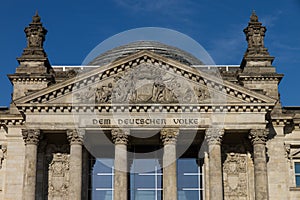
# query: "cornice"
{"type": "Point", "coordinates": [9, 119]}
{"type": "Point", "coordinates": [104, 72]}
{"type": "Point", "coordinates": [30, 78]}
{"type": "Point", "coordinates": [201, 108]}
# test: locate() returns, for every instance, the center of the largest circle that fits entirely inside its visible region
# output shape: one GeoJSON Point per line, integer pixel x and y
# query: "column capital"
{"type": "Point", "coordinates": [120, 136]}
{"type": "Point", "coordinates": [214, 135]}
{"type": "Point", "coordinates": [75, 136]}
{"type": "Point", "coordinates": [258, 136]}
{"type": "Point", "coordinates": [169, 135]}
{"type": "Point", "coordinates": [31, 136]}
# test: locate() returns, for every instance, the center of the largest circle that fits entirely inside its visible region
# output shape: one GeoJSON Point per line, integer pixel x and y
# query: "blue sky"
{"type": "Point", "coordinates": [76, 27]}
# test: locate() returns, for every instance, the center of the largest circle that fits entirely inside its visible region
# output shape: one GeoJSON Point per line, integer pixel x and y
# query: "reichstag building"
{"type": "Point", "coordinates": [148, 121]}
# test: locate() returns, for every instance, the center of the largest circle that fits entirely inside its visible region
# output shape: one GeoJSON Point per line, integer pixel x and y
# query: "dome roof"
{"type": "Point", "coordinates": [156, 47]}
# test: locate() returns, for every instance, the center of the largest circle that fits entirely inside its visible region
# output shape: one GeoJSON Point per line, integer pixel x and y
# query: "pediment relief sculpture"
{"type": "Point", "coordinates": [145, 83]}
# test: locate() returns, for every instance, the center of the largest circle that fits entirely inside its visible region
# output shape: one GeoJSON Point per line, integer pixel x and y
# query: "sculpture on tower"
{"type": "Point", "coordinates": [34, 59]}
{"type": "Point", "coordinates": [256, 54]}
{"type": "Point", "coordinates": [35, 34]}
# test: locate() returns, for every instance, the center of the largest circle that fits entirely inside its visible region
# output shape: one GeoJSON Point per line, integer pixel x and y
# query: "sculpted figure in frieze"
{"type": "Point", "coordinates": [85, 96]}
{"type": "Point", "coordinates": [150, 84]}
{"type": "Point", "coordinates": [201, 93]}
{"type": "Point", "coordinates": [145, 83]}
{"type": "Point", "coordinates": [103, 94]}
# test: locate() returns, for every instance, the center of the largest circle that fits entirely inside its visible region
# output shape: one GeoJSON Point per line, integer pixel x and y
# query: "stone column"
{"type": "Point", "coordinates": [258, 138]}
{"type": "Point", "coordinates": [214, 138]}
{"type": "Point", "coordinates": [75, 138]}
{"type": "Point", "coordinates": [120, 139]}
{"type": "Point", "coordinates": [31, 138]}
{"type": "Point", "coordinates": [169, 138]}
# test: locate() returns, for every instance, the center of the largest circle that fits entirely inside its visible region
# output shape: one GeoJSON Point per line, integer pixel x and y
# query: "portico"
{"type": "Point", "coordinates": [146, 125]}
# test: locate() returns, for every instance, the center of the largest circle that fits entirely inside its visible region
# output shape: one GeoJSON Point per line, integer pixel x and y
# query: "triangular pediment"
{"type": "Point", "coordinates": [145, 78]}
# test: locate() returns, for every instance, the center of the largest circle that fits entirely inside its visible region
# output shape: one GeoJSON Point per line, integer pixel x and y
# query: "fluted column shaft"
{"type": "Point", "coordinates": [258, 138]}
{"type": "Point", "coordinates": [214, 139]}
{"type": "Point", "coordinates": [169, 138]}
{"type": "Point", "coordinates": [31, 138]}
{"type": "Point", "coordinates": [120, 139]}
{"type": "Point", "coordinates": [75, 138]}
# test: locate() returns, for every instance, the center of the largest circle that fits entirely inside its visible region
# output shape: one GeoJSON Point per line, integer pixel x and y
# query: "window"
{"type": "Point", "coordinates": [189, 179]}
{"type": "Point", "coordinates": [297, 173]}
{"type": "Point", "coordinates": [103, 179]}
{"type": "Point", "coordinates": [145, 180]}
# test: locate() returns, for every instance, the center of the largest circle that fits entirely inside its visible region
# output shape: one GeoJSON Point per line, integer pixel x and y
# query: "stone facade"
{"type": "Point", "coordinates": [250, 142]}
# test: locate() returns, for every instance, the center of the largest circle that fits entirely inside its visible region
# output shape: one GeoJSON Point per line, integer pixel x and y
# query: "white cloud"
{"type": "Point", "coordinates": [161, 6]}
{"type": "Point", "coordinates": [144, 4]}
{"type": "Point", "coordinates": [229, 48]}
{"type": "Point", "coordinates": [270, 20]}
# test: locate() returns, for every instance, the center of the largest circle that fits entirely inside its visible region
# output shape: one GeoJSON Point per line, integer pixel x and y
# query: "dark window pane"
{"type": "Point", "coordinates": [144, 181]}
{"type": "Point", "coordinates": [103, 195]}
{"type": "Point", "coordinates": [188, 195]}
{"type": "Point", "coordinates": [159, 181]}
{"type": "Point", "coordinates": [144, 195]}
{"type": "Point", "coordinates": [188, 181]}
{"type": "Point", "coordinates": [159, 194]}
{"type": "Point", "coordinates": [297, 167]}
{"type": "Point", "coordinates": [187, 165]}
{"type": "Point", "coordinates": [103, 166]}
{"type": "Point", "coordinates": [298, 181]}
{"type": "Point", "coordinates": [102, 181]}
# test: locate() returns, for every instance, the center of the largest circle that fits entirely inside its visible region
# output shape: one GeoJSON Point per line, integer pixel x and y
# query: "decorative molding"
{"type": "Point", "coordinates": [169, 135]}
{"type": "Point", "coordinates": [214, 136]}
{"type": "Point", "coordinates": [31, 136]}
{"type": "Point", "coordinates": [3, 153]}
{"type": "Point", "coordinates": [237, 164]}
{"type": "Point", "coordinates": [205, 108]}
{"type": "Point", "coordinates": [120, 136]}
{"type": "Point", "coordinates": [258, 136]}
{"type": "Point", "coordinates": [94, 95]}
{"type": "Point", "coordinates": [75, 136]}
{"type": "Point", "coordinates": [145, 58]}
{"type": "Point", "coordinates": [59, 180]}
{"type": "Point", "coordinates": [235, 176]}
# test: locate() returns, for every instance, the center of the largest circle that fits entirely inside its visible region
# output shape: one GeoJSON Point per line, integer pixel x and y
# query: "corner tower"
{"type": "Point", "coordinates": [258, 74]}
{"type": "Point", "coordinates": [34, 71]}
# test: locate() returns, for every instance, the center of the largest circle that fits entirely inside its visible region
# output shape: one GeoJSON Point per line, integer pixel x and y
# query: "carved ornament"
{"type": "Point", "coordinates": [169, 135]}
{"type": "Point", "coordinates": [31, 136]}
{"type": "Point", "coordinates": [235, 176]}
{"type": "Point", "coordinates": [146, 83]}
{"type": "Point", "coordinates": [120, 136]}
{"type": "Point", "coordinates": [75, 136]}
{"type": "Point", "coordinates": [59, 177]}
{"type": "Point", "coordinates": [258, 136]}
{"type": "Point", "coordinates": [214, 135]}
{"type": "Point", "coordinates": [3, 151]}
